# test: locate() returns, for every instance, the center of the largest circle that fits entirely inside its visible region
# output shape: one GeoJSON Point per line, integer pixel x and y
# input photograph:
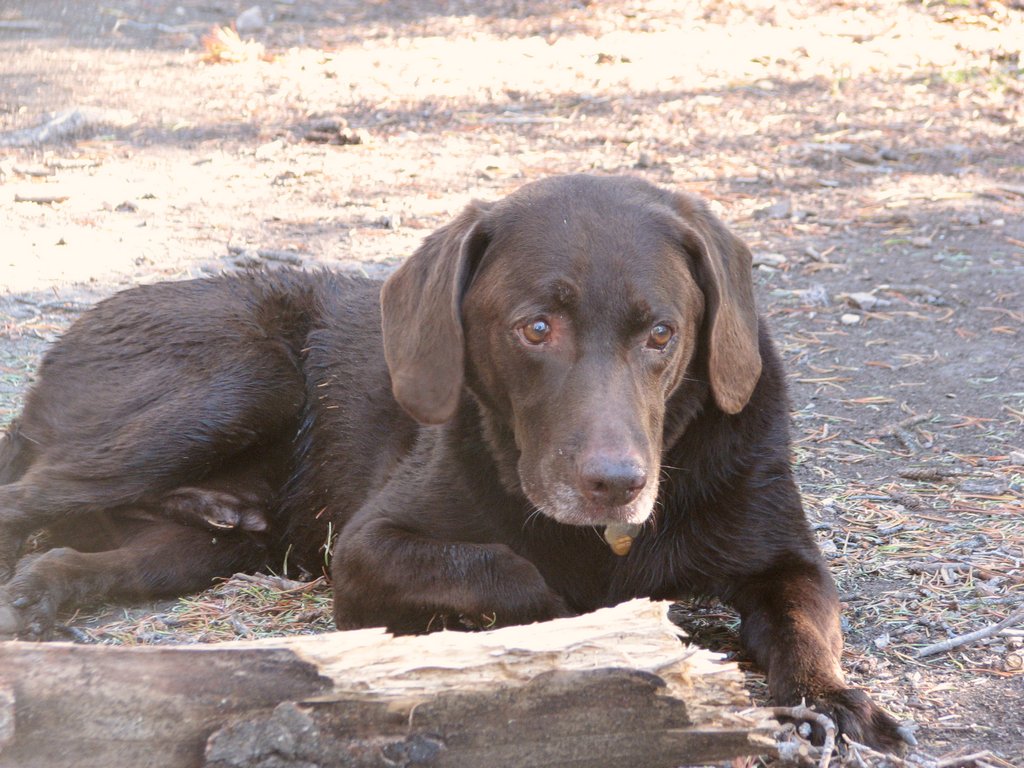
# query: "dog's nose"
{"type": "Point", "coordinates": [611, 482]}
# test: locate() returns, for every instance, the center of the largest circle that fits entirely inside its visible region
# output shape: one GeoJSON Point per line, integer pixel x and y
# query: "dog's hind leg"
{"type": "Point", "coordinates": [15, 454]}
{"type": "Point", "coordinates": [15, 458]}
{"type": "Point", "coordinates": [105, 457]}
{"type": "Point", "coordinates": [156, 559]}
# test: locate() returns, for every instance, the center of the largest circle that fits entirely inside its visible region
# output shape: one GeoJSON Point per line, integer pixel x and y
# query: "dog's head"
{"type": "Point", "coordinates": [573, 310]}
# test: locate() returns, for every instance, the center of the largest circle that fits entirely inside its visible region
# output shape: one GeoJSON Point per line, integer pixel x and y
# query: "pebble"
{"type": "Point", "coordinates": [250, 20]}
{"type": "Point", "coordinates": [986, 487]}
{"type": "Point", "coordinates": [865, 301]}
{"type": "Point", "coordinates": [390, 221]}
{"type": "Point", "coordinates": [816, 295]}
{"type": "Point", "coordinates": [849, 318]}
{"type": "Point", "coordinates": [769, 260]}
{"type": "Point", "coordinates": [783, 209]}
{"type": "Point", "coordinates": [270, 150]}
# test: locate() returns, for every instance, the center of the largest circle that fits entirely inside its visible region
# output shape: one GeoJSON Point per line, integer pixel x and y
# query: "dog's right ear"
{"type": "Point", "coordinates": [421, 307]}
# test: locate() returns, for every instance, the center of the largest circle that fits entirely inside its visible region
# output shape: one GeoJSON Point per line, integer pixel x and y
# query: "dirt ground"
{"type": "Point", "coordinates": [871, 154]}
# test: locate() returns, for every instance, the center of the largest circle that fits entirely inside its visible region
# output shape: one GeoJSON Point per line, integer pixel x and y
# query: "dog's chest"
{"type": "Point", "coordinates": [580, 566]}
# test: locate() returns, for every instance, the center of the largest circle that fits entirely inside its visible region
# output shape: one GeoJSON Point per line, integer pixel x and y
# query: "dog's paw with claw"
{"type": "Point", "coordinates": [215, 510]}
{"type": "Point", "coordinates": [859, 719]}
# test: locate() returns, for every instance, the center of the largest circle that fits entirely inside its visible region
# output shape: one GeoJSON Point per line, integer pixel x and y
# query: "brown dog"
{"type": "Point", "coordinates": [584, 354]}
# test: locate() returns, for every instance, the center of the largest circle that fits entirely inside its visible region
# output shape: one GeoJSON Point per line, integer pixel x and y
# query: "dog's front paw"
{"type": "Point", "coordinates": [543, 606]}
{"type": "Point", "coordinates": [858, 718]}
{"type": "Point", "coordinates": [525, 597]}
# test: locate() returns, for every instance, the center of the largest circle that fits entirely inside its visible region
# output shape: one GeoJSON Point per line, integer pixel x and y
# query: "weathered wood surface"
{"type": "Point", "coordinates": [613, 688]}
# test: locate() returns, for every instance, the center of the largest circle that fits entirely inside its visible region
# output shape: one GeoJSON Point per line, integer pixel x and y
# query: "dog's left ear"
{"type": "Point", "coordinates": [734, 363]}
{"type": "Point", "coordinates": [421, 305]}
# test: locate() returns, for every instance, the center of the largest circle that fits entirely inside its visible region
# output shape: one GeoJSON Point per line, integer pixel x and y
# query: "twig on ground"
{"type": "Point", "coordinates": [911, 421]}
{"type": "Point", "coordinates": [964, 760]}
{"type": "Point", "coordinates": [22, 25]}
{"type": "Point", "coordinates": [933, 473]}
{"type": "Point", "coordinates": [970, 637]}
{"type": "Point", "coordinates": [899, 430]}
{"type": "Point", "coordinates": [275, 582]}
{"type": "Point", "coordinates": [857, 751]}
{"type": "Point", "coordinates": [40, 199]}
{"type": "Point", "coordinates": [808, 714]}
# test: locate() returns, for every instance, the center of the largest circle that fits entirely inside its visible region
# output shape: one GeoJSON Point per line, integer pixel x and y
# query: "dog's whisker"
{"type": "Point", "coordinates": [535, 513]}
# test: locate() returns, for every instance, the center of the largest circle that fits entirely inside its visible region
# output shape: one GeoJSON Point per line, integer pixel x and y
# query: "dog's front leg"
{"type": "Point", "coordinates": [790, 625]}
{"type": "Point", "coordinates": [387, 575]}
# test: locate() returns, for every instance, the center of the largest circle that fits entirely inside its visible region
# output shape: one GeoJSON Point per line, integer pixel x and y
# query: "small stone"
{"type": "Point", "coordinates": [783, 209]}
{"type": "Point", "coordinates": [816, 295]}
{"type": "Point", "coordinates": [127, 207]}
{"type": "Point", "coordinates": [865, 301]}
{"type": "Point", "coordinates": [270, 150]}
{"type": "Point", "coordinates": [862, 156]}
{"type": "Point", "coordinates": [920, 242]}
{"type": "Point", "coordinates": [849, 319]}
{"type": "Point", "coordinates": [986, 487]}
{"type": "Point", "coordinates": [329, 125]}
{"type": "Point", "coordinates": [829, 549]}
{"type": "Point", "coordinates": [1017, 457]}
{"type": "Point", "coordinates": [775, 260]}
{"type": "Point", "coordinates": [390, 221]}
{"type": "Point", "coordinates": [250, 20]}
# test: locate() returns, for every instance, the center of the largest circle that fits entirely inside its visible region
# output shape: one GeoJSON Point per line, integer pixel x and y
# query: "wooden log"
{"type": "Point", "coordinates": [612, 688]}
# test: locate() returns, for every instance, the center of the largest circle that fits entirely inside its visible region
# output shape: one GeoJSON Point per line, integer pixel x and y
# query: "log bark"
{"type": "Point", "coordinates": [612, 688]}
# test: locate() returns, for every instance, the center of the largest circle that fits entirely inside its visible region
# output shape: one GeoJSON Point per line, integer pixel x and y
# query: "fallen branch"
{"type": "Point", "coordinates": [611, 689]}
{"type": "Point", "coordinates": [970, 637]}
{"type": "Point", "coordinates": [70, 125]}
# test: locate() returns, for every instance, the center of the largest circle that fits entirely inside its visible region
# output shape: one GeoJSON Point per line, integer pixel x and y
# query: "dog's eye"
{"type": "Point", "coordinates": [536, 331]}
{"type": "Point", "coordinates": [660, 336]}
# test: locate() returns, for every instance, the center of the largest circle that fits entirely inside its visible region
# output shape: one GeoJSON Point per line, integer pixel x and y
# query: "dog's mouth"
{"type": "Point", "coordinates": [567, 505]}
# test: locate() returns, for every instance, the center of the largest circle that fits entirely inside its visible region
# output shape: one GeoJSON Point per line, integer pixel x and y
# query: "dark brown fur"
{"type": "Point", "coordinates": [181, 432]}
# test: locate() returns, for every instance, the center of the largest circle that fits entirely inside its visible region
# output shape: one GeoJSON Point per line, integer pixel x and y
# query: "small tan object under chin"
{"type": "Point", "coordinates": [620, 537]}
